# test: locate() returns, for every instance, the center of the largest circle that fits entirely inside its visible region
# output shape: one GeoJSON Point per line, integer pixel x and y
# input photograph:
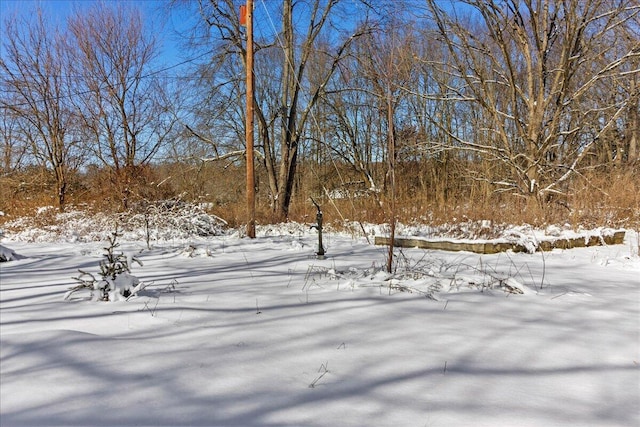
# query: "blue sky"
{"type": "Point", "coordinates": [60, 9]}
{"type": "Point", "coordinates": [153, 12]}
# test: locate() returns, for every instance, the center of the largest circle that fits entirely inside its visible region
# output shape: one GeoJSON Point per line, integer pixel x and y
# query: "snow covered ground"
{"type": "Point", "coordinates": [237, 332]}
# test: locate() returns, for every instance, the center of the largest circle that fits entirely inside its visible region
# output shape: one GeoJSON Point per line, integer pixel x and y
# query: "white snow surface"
{"type": "Point", "coordinates": [231, 331]}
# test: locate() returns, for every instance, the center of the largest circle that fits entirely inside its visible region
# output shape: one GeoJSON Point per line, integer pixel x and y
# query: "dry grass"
{"type": "Point", "coordinates": [428, 193]}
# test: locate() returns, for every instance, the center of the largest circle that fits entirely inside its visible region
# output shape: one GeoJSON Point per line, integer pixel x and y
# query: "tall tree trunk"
{"type": "Point", "coordinates": [392, 177]}
{"type": "Point", "coordinates": [289, 100]}
{"type": "Point", "coordinates": [634, 123]}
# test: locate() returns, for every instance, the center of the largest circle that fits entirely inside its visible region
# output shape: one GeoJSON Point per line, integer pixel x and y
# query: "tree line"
{"type": "Point", "coordinates": [524, 97]}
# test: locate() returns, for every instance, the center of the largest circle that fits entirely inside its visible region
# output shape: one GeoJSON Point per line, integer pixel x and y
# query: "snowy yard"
{"type": "Point", "coordinates": [239, 332]}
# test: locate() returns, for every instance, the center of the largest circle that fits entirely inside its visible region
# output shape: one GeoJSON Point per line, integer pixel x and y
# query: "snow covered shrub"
{"type": "Point", "coordinates": [173, 219]}
{"type": "Point", "coordinates": [152, 221]}
{"type": "Point", "coordinates": [7, 254]}
{"type": "Point", "coordinates": [428, 276]}
{"type": "Point", "coordinates": [116, 282]}
{"type": "Point", "coordinates": [75, 224]}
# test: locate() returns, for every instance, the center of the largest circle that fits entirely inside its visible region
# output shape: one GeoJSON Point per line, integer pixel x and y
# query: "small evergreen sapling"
{"type": "Point", "coordinates": [116, 281]}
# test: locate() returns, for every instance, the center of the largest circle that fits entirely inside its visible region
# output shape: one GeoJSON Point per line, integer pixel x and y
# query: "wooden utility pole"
{"type": "Point", "coordinates": [251, 186]}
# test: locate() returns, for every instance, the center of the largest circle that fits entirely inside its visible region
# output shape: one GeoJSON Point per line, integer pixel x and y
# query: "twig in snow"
{"type": "Point", "coordinates": [324, 370]}
{"type": "Point", "coordinates": [560, 295]}
{"type": "Point", "coordinates": [153, 312]}
{"type": "Point", "coordinates": [247, 262]}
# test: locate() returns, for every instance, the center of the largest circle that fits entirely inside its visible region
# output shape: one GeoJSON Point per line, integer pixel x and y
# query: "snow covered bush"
{"type": "Point", "coordinates": [116, 282]}
{"type": "Point", "coordinates": [7, 254]}
{"type": "Point", "coordinates": [428, 276]}
{"type": "Point", "coordinates": [173, 219]}
{"type": "Point", "coordinates": [152, 221]}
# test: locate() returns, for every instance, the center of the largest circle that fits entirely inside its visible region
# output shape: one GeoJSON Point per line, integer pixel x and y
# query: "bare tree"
{"type": "Point", "coordinates": [389, 66]}
{"type": "Point", "coordinates": [13, 147]}
{"type": "Point", "coordinates": [284, 116]}
{"type": "Point", "coordinates": [530, 66]}
{"type": "Point", "coordinates": [628, 38]}
{"type": "Point", "coordinates": [124, 107]}
{"type": "Point", "coordinates": [35, 84]}
{"type": "Point", "coordinates": [354, 112]}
